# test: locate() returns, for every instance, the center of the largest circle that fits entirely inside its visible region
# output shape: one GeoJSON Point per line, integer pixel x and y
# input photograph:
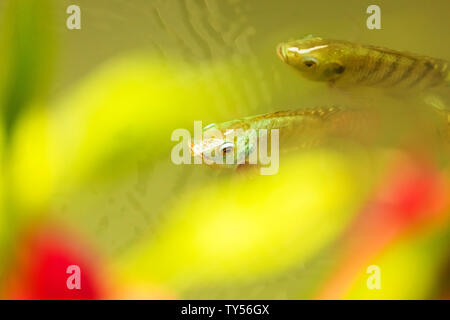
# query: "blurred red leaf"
{"type": "Point", "coordinates": [411, 197]}
{"type": "Point", "coordinates": [38, 270]}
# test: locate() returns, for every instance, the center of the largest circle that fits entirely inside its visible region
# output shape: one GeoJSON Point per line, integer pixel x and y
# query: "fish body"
{"type": "Point", "coordinates": [346, 64]}
{"type": "Point", "coordinates": [297, 129]}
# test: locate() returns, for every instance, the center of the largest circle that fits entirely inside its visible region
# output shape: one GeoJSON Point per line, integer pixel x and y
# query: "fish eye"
{"type": "Point", "coordinates": [309, 62]}
{"type": "Point", "coordinates": [227, 147]}
{"type": "Point", "coordinates": [339, 69]}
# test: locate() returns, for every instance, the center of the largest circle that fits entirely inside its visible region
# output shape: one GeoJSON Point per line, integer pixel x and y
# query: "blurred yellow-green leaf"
{"type": "Point", "coordinates": [247, 229]}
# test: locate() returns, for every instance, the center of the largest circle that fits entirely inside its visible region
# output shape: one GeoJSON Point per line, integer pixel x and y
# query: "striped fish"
{"type": "Point", "coordinates": [298, 130]}
{"type": "Point", "coordinates": [346, 64]}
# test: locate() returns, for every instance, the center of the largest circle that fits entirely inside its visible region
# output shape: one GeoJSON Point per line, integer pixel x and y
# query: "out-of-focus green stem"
{"type": "Point", "coordinates": [25, 43]}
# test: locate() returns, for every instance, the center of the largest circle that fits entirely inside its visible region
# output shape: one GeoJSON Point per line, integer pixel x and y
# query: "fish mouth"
{"type": "Point", "coordinates": [281, 51]}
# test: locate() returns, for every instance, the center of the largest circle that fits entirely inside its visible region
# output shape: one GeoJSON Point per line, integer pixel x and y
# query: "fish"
{"type": "Point", "coordinates": [297, 129]}
{"type": "Point", "coordinates": [346, 64]}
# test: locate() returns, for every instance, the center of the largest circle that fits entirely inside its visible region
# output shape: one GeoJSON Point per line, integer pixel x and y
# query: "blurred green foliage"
{"type": "Point", "coordinates": [26, 55]}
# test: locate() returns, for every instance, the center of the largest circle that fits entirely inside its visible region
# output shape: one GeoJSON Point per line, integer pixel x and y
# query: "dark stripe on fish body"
{"type": "Point", "coordinates": [407, 73]}
{"type": "Point", "coordinates": [379, 58]}
{"type": "Point", "coordinates": [435, 82]}
{"type": "Point", "coordinates": [428, 68]}
{"type": "Point", "coordinates": [431, 76]}
{"type": "Point", "coordinates": [392, 69]}
{"type": "Point", "coordinates": [439, 77]}
{"type": "Point", "coordinates": [360, 70]}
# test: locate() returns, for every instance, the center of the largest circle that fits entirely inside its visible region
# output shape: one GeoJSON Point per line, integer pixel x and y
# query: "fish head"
{"type": "Point", "coordinates": [315, 58]}
{"type": "Point", "coordinates": [226, 145]}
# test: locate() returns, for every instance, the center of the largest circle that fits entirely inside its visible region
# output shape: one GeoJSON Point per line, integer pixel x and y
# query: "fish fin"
{"type": "Point", "coordinates": [436, 102]}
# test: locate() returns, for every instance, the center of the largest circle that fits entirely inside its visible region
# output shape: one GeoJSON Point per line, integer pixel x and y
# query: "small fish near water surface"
{"type": "Point", "coordinates": [346, 64]}
{"type": "Point", "coordinates": [297, 129]}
